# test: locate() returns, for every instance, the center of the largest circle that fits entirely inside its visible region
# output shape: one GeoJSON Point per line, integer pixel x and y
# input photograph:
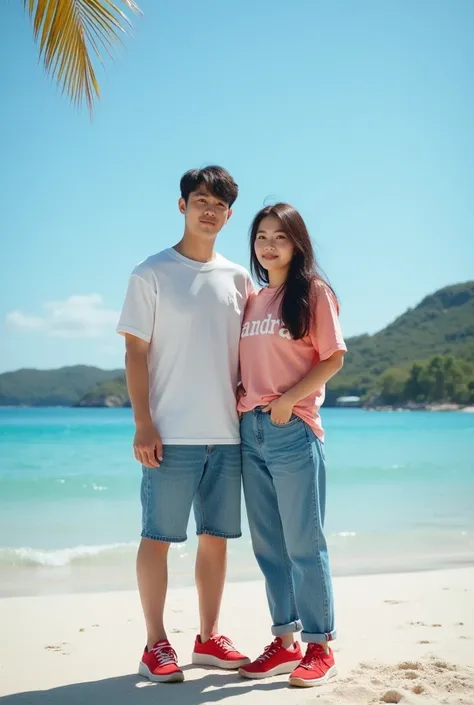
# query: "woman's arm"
{"type": "Point", "coordinates": [282, 408]}
{"type": "Point", "coordinates": [317, 377]}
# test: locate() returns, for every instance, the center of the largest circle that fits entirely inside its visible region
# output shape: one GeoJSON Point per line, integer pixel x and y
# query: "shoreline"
{"type": "Point", "coordinates": [258, 581]}
{"type": "Point", "coordinates": [407, 634]}
{"type": "Point", "coordinates": [80, 586]}
{"type": "Point", "coordinates": [89, 569]}
{"type": "Point", "coordinates": [467, 409]}
{"type": "Point", "coordinates": [408, 406]}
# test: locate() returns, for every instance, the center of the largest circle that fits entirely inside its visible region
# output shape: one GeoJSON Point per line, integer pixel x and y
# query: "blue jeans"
{"type": "Point", "coordinates": [206, 477]}
{"type": "Point", "coordinates": [284, 479]}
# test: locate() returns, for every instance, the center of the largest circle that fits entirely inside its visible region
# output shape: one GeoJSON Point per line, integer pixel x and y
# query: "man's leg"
{"type": "Point", "coordinates": [211, 563]}
{"type": "Point", "coordinates": [167, 493]}
{"type": "Point", "coordinates": [217, 512]}
{"type": "Point", "coordinates": [152, 575]}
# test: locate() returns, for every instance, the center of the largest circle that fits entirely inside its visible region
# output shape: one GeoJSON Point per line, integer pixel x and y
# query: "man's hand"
{"type": "Point", "coordinates": [147, 446]}
{"type": "Point", "coordinates": [280, 409]}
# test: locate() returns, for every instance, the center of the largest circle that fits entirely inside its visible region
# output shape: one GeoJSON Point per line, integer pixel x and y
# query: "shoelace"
{"type": "Point", "coordinates": [165, 654]}
{"type": "Point", "coordinates": [313, 656]}
{"type": "Point", "coordinates": [269, 651]}
{"type": "Point", "coordinates": [222, 641]}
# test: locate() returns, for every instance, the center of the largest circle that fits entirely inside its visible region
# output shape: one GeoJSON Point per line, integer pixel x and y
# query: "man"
{"type": "Point", "coordinates": [181, 320]}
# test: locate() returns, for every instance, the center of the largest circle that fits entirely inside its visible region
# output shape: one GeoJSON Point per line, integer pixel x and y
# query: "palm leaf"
{"type": "Point", "coordinates": [70, 32]}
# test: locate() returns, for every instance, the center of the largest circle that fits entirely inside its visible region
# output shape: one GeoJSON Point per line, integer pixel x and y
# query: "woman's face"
{"type": "Point", "coordinates": [273, 248]}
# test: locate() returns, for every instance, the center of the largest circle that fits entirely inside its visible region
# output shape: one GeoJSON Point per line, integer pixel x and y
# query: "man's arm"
{"type": "Point", "coordinates": [147, 444]}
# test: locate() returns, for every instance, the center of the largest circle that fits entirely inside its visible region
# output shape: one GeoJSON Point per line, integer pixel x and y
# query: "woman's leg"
{"type": "Point", "coordinates": [295, 460]}
{"type": "Point", "coordinates": [267, 533]}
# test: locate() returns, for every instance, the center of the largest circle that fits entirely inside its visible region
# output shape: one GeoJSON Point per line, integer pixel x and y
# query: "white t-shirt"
{"type": "Point", "coordinates": [191, 314]}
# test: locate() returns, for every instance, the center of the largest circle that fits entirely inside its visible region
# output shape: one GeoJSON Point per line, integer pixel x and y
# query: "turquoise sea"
{"type": "Point", "coordinates": [400, 497]}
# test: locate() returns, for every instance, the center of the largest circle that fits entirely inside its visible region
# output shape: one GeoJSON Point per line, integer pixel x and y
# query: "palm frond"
{"type": "Point", "coordinates": [71, 32]}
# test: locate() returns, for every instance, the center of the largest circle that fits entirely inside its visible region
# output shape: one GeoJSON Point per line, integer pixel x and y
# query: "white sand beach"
{"type": "Point", "coordinates": [405, 638]}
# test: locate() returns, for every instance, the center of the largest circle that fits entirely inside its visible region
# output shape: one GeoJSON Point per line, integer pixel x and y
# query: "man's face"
{"type": "Point", "coordinates": [205, 214]}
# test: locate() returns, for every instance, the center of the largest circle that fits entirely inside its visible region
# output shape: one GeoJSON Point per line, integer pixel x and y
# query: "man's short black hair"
{"type": "Point", "coordinates": [219, 182]}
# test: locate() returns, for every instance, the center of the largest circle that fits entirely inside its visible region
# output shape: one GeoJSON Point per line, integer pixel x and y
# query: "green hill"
{"type": "Point", "coordinates": [111, 393]}
{"type": "Point", "coordinates": [442, 324]}
{"type": "Point", "coordinates": [63, 387]}
{"type": "Point", "coordinates": [427, 354]}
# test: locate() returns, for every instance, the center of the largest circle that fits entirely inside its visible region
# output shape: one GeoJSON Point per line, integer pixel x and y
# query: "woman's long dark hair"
{"type": "Point", "coordinates": [304, 270]}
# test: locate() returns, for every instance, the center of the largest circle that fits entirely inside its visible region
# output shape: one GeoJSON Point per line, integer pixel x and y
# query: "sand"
{"type": "Point", "coordinates": [405, 638]}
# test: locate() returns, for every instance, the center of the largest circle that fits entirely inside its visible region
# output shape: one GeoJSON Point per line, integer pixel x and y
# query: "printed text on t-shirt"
{"type": "Point", "coordinates": [265, 327]}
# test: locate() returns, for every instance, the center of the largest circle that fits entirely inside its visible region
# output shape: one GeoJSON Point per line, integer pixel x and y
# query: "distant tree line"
{"type": "Point", "coordinates": [442, 378]}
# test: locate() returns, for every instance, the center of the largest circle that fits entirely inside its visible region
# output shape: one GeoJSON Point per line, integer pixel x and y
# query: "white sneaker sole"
{"type": "Point", "coordinates": [302, 683]}
{"type": "Point", "coordinates": [280, 670]}
{"type": "Point", "coordinates": [206, 660]}
{"type": "Point", "coordinates": [176, 677]}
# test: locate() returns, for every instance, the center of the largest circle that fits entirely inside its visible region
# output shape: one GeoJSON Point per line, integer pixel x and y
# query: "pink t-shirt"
{"type": "Point", "coordinates": [271, 361]}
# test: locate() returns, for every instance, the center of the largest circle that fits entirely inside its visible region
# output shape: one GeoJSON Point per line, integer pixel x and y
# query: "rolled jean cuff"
{"type": "Point", "coordinates": [284, 629]}
{"type": "Point", "coordinates": [308, 638]}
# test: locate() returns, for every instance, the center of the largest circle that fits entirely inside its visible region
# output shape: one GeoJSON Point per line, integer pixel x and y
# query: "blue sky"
{"type": "Point", "coordinates": [361, 114]}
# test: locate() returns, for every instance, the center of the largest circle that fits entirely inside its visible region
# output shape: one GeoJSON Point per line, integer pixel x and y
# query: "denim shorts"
{"type": "Point", "coordinates": [208, 478]}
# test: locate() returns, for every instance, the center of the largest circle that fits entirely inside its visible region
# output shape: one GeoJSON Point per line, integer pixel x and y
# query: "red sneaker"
{"type": "Point", "coordinates": [160, 663]}
{"type": "Point", "coordinates": [218, 651]}
{"type": "Point", "coordinates": [274, 661]}
{"type": "Point", "coordinates": [316, 668]}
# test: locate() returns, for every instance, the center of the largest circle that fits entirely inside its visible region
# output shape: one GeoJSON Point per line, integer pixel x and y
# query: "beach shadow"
{"type": "Point", "coordinates": [134, 690]}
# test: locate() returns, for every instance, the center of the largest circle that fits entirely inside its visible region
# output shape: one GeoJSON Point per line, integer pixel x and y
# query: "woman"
{"type": "Point", "coordinates": [291, 345]}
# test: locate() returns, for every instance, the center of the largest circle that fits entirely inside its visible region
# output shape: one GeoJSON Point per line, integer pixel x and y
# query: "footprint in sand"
{"type": "Point", "coordinates": [410, 669]}
{"type": "Point", "coordinates": [409, 666]}
{"type": "Point", "coordinates": [444, 666]}
{"type": "Point", "coordinates": [57, 648]}
{"type": "Point", "coordinates": [366, 666]}
{"type": "Point", "coordinates": [391, 683]}
{"type": "Point", "coordinates": [391, 696]}
{"type": "Point", "coordinates": [423, 624]}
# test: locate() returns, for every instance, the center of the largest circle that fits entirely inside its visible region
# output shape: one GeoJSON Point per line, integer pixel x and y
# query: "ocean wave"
{"type": "Point", "coordinates": [60, 557]}
{"type": "Point", "coordinates": [67, 487]}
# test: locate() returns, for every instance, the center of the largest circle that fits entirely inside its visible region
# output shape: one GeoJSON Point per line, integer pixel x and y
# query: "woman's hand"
{"type": "Point", "coordinates": [280, 409]}
{"type": "Point", "coordinates": [240, 393]}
